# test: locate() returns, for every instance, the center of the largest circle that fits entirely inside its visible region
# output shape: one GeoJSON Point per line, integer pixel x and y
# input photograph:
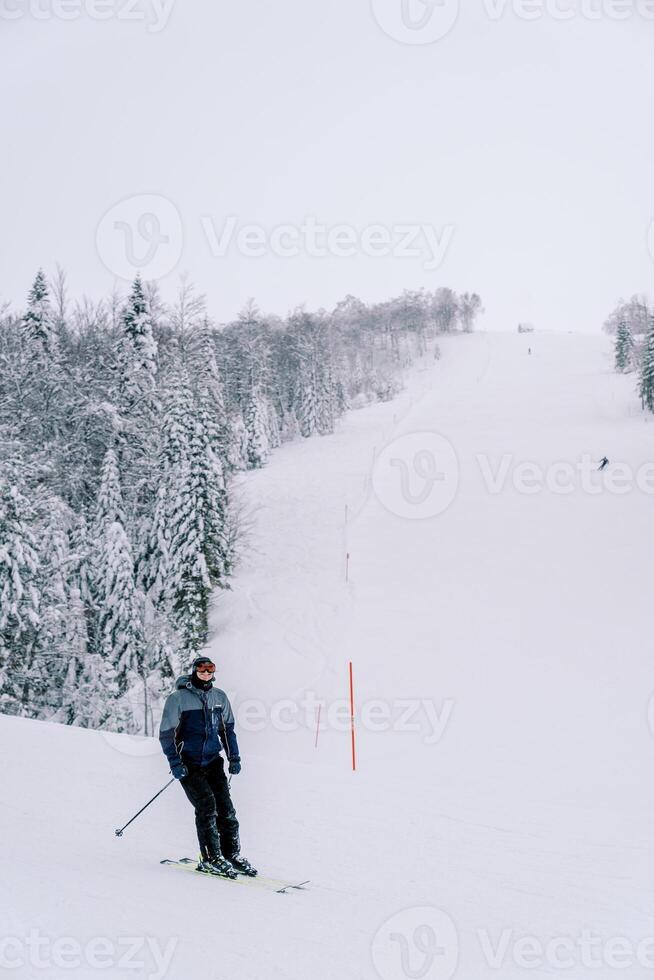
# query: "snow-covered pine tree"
{"type": "Point", "coordinates": [58, 614]}
{"type": "Point", "coordinates": [647, 369]}
{"type": "Point", "coordinates": [200, 552]}
{"type": "Point", "coordinates": [153, 569]}
{"type": "Point", "coordinates": [306, 407]}
{"type": "Point", "coordinates": [315, 390]}
{"type": "Point", "coordinates": [84, 580]}
{"type": "Point", "coordinates": [357, 381]}
{"type": "Point", "coordinates": [190, 545]}
{"type": "Point", "coordinates": [162, 661]}
{"type": "Point", "coordinates": [255, 418]}
{"type": "Point", "coordinates": [137, 399]}
{"type": "Point", "coordinates": [273, 427]}
{"type": "Point", "coordinates": [624, 345]}
{"type": "Point", "coordinates": [326, 395]}
{"type": "Point", "coordinates": [121, 605]}
{"type": "Point", "coordinates": [340, 383]}
{"type": "Point", "coordinates": [90, 687]}
{"type": "Point", "coordinates": [247, 355]}
{"type": "Point", "coordinates": [38, 320]}
{"type": "Point", "coordinates": [238, 450]}
{"type": "Point", "coordinates": [173, 454]}
{"type": "Point", "coordinates": [40, 404]}
{"type": "Point", "coordinates": [109, 507]}
{"type": "Point", "coordinates": [208, 484]}
{"type": "Point", "coordinates": [189, 584]}
{"type": "Point", "coordinates": [19, 598]}
{"type": "Point", "coordinates": [137, 353]}
{"type": "Point", "coordinates": [210, 392]}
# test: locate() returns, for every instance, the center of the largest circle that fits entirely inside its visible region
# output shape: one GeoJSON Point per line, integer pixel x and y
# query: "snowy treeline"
{"type": "Point", "coordinates": [632, 325]}
{"type": "Point", "coordinates": [120, 424]}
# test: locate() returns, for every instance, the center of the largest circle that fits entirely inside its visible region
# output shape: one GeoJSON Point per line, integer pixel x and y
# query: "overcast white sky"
{"type": "Point", "coordinates": [527, 147]}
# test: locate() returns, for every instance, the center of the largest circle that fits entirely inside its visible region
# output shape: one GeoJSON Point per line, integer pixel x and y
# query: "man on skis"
{"type": "Point", "coordinates": [197, 723]}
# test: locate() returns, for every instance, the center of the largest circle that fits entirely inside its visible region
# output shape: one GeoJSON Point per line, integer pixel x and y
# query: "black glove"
{"type": "Point", "coordinates": [234, 765]}
{"type": "Point", "coordinates": [179, 770]}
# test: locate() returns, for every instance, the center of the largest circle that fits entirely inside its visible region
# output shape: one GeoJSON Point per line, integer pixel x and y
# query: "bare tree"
{"type": "Point", "coordinates": [469, 308]}
{"type": "Point", "coordinates": [187, 313]}
{"type": "Point", "coordinates": [59, 292]}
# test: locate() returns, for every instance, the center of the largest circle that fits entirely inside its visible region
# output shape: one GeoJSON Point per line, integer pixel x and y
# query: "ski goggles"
{"type": "Point", "coordinates": [206, 669]}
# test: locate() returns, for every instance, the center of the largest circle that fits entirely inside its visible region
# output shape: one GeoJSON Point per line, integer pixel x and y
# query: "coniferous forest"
{"type": "Point", "coordinates": [632, 326]}
{"type": "Point", "coordinates": [121, 424]}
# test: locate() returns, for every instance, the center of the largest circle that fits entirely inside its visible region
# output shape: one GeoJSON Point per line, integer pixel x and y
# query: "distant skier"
{"type": "Point", "coordinates": [604, 462]}
{"type": "Point", "coordinates": [529, 350]}
{"type": "Point", "coordinates": [197, 723]}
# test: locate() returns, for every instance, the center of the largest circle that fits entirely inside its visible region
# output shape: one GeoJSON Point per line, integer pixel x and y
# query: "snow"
{"type": "Point", "coordinates": [511, 629]}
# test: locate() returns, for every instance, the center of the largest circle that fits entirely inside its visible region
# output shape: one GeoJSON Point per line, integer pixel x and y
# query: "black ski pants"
{"type": "Point", "coordinates": [215, 818]}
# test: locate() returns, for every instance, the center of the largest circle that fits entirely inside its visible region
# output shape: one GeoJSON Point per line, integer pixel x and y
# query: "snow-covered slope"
{"type": "Point", "coordinates": [502, 679]}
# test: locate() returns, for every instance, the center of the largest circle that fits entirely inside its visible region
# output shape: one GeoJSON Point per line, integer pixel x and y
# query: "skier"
{"type": "Point", "coordinates": [197, 722]}
{"type": "Point", "coordinates": [604, 462]}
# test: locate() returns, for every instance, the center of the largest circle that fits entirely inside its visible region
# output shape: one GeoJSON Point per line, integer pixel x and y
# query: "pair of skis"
{"type": "Point", "coordinates": [270, 884]}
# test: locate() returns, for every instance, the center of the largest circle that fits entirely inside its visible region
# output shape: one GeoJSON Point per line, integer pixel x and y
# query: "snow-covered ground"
{"type": "Point", "coordinates": [499, 823]}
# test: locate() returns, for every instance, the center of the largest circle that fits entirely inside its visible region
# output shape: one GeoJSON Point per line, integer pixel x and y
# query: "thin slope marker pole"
{"type": "Point", "coordinates": [347, 552]}
{"type": "Point", "coordinates": [354, 756]}
{"type": "Point", "coordinates": [317, 726]}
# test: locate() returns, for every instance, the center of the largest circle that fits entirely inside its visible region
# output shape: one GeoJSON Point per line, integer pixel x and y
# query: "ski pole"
{"type": "Point", "coordinates": [119, 832]}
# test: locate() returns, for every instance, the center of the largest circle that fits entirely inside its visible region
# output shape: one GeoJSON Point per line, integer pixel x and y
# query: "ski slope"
{"type": "Point", "coordinates": [499, 823]}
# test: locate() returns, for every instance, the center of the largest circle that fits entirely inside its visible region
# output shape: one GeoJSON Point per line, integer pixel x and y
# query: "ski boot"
{"type": "Point", "coordinates": [217, 866]}
{"type": "Point", "coordinates": [242, 865]}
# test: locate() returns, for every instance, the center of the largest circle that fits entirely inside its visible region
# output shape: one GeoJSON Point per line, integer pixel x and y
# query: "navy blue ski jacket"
{"type": "Point", "coordinates": [196, 725]}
